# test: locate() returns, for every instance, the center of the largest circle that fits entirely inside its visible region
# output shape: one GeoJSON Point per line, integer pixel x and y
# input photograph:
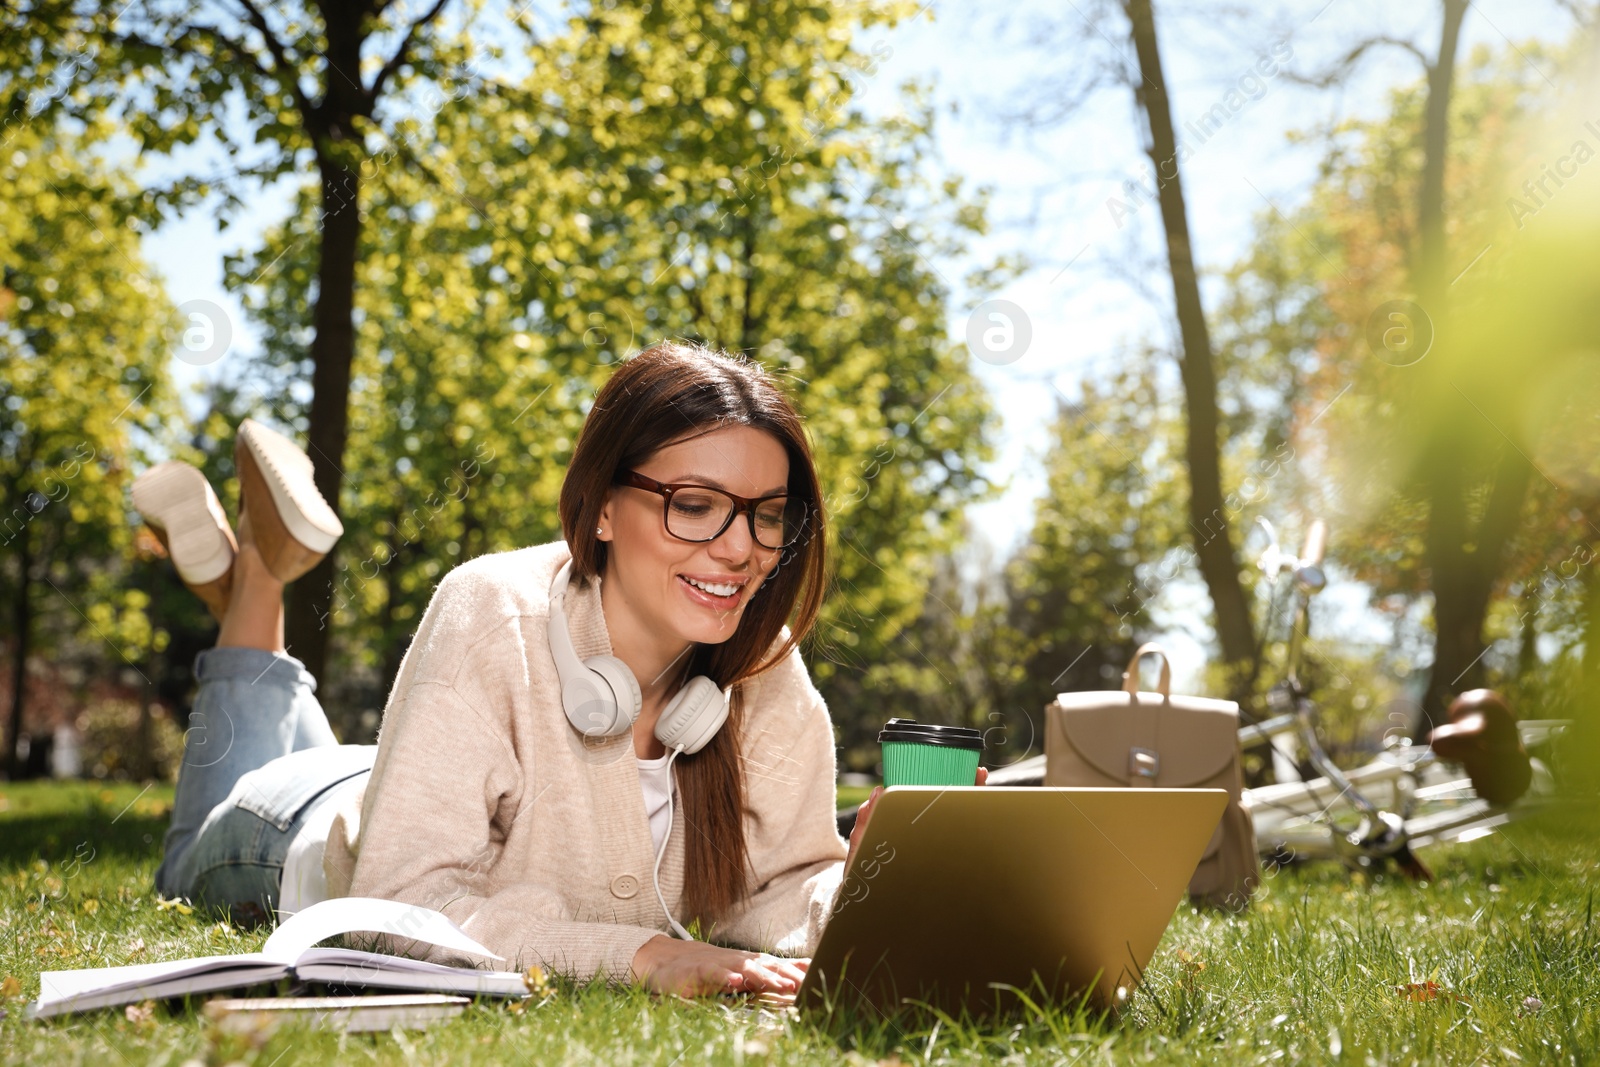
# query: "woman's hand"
{"type": "Point", "coordinates": [865, 812]}
{"type": "Point", "coordinates": [693, 968]}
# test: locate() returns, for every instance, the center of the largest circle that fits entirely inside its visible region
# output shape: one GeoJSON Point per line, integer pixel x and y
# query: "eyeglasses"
{"type": "Point", "coordinates": [701, 513]}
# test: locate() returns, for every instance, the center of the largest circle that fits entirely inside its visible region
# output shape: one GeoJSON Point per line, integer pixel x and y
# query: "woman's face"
{"type": "Point", "coordinates": [652, 570]}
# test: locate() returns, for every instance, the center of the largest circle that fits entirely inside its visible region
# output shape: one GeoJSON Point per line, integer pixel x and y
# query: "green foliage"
{"type": "Point", "coordinates": [958, 663]}
{"type": "Point", "coordinates": [83, 395]}
{"type": "Point", "coordinates": [1504, 376]}
{"type": "Point", "coordinates": [1102, 547]}
{"type": "Point", "coordinates": [166, 75]}
{"type": "Point", "coordinates": [682, 172]}
{"type": "Point", "coordinates": [130, 738]}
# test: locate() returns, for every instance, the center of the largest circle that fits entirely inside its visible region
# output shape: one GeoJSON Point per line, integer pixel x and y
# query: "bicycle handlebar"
{"type": "Point", "coordinates": [1316, 544]}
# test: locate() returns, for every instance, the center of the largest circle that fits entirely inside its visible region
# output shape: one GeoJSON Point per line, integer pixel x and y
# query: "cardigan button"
{"type": "Point", "coordinates": [624, 886]}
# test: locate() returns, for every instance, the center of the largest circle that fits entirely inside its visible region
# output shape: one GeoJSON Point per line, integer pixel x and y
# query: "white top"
{"type": "Point", "coordinates": [304, 881]}
{"type": "Point", "coordinates": [657, 781]}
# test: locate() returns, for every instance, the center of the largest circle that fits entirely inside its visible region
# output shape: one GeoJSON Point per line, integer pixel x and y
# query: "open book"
{"type": "Point", "coordinates": [288, 954]}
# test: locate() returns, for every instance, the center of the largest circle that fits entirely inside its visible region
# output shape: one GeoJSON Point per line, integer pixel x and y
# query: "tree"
{"type": "Point", "coordinates": [1463, 552]}
{"type": "Point", "coordinates": [960, 663]}
{"type": "Point", "coordinates": [1101, 549]}
{"type": "Point", "coordinates": [1426, 441]}
{"type": "Point", "coordinates": [311, 81]}
{"type": "Point", "coordinates": [1210, 520]}
{"type": "Point", "coordinates": [83, 390]}
{"type": "Point", "coordinates": [1208, 514]}
{"type": "Point", "coordinates": [1464, 555]}
{"type": "Point", "coordinates": [682, 172]}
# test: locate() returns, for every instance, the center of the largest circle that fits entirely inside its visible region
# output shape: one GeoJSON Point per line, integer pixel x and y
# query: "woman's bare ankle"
{"type": "Point", "coordinates": [255, 607]}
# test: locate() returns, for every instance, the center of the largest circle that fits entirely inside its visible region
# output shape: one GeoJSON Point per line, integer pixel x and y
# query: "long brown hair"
{"type": "Point", "coordinates": [669, 391]}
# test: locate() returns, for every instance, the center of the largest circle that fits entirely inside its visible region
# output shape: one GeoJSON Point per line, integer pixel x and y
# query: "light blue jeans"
{"type": "Point", "coordinates": [257, 757]}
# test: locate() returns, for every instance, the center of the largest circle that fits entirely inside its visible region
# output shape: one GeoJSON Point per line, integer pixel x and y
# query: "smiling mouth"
{"type": "Point", "coordinates": [712, 594]}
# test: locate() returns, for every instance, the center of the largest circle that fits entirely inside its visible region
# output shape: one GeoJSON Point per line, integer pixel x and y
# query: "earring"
{"type": "Point", "coordinates": [598, 531]}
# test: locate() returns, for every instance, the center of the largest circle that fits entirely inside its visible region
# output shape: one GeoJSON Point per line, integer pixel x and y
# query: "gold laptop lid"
{"type": "Point", "coordinates": [955, 891]}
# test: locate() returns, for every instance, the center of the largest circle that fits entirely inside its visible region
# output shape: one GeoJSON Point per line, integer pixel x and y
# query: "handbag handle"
{"type": "Point", "coordinates": [1130, 677]}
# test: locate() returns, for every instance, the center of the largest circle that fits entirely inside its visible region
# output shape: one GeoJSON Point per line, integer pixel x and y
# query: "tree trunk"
{"type": "Point", "coordinates": [1461, 579]}
{"type": "Point", "coordinates": [142, 762]}
{"type": "Point", "coordinates": [308, 618]}
{"type": "Point", "coordinates": [1528, 643]}
{"type": "Point", "coordinates": [1209, 520]}
{"type": "Point", "coordinates": [309, 613]}
{"type": "Point", "coordinates": [1590, 686]}
{"type": "Point", "coordinates": [393, 645]}
{"type": "Point", "coordinates": [21, 625]}
{"type": "Point", "coordinates": [1429, 266]}
{"type": "Point", "coordinates": [1579, 766]}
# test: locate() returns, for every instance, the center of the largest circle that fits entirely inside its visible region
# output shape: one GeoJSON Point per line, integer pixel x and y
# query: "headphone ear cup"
{"type": "Point", "coordinates": [694, 716]}
{"type": "Point", "coordinates": [606, 701]}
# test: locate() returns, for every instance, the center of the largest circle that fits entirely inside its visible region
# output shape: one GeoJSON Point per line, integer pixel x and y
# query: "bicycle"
{"type": "Point", "coordinates": [1408, 796]}
{"type": "Point", "coordinates": [1405, 798]}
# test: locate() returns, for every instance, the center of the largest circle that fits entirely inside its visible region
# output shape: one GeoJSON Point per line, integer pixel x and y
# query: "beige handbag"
{"type": "Point", "coordinates": [1155, 740]}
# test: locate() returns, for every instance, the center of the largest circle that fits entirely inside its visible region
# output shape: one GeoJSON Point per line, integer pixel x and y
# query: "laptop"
{"type": "Point", "coordinates": [957, 893]}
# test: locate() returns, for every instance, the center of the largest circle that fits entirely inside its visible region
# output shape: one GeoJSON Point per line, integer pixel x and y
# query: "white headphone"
{"type": "Point", "coordinates": [601, 698]}
{"type": "Point", "coordinates": [601, 695]}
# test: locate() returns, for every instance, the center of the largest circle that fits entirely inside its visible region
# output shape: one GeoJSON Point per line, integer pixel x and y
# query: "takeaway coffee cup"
{"type": "Point", "coordinates": [918, 754]}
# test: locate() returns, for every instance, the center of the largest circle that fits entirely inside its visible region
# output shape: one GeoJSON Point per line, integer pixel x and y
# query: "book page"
{"type": "Point", "coordinates": [64, 991]}
{"type": "Point", "coordinates": [355, 957]}
{"type": "Point", "coordinates": [348, 915]}
{"type": "Point", "coordinates": [350, 967]}
{"type": "Point", "coordinates": [55, 985]}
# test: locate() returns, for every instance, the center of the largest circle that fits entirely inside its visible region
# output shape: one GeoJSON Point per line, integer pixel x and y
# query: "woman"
{"type": "Point", "coordinates": [505, 789]}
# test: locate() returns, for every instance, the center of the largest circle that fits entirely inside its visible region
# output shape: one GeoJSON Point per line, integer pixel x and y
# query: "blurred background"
{"type": "Point", "coordinates": [1069, 295]}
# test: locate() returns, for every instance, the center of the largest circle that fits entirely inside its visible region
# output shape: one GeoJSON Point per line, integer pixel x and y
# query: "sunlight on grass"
{"type": "Point", "coordinates": [851, 795]}
{"type": "Point", "coordinates": [1325, 968]}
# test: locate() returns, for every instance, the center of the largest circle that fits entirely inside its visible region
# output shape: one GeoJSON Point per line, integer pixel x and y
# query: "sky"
{"type": "Point", "coordinates": [1097, 284]}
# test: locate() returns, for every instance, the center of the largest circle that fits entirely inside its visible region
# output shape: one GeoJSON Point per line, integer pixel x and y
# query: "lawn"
{"type": "Point", "coordinates": [1324, 968]}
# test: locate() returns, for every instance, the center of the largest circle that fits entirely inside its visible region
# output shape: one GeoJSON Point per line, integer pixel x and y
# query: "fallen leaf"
{"type": "Point", "coordinates": [140, 1014]}
{"type": "Point", "coordinates": [177, 904]}
{"type": "Point", "coordinates": [1192, 964]}
{"type": "Point", "coordinates": [10, 987]}
{"type": "Point", "coordinates": [1421, 992]}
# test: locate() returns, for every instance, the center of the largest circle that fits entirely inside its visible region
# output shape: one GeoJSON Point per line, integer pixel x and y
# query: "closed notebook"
{"type": "Point", "coordinates": [288, 953]}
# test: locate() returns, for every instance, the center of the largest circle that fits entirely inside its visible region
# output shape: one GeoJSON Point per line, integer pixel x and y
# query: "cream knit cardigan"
{"type": "Point", "coordinates": [485, 803]}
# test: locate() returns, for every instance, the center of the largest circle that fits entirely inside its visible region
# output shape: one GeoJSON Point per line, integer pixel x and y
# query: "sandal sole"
{"type": "Point", "coordinates": [177, 501]}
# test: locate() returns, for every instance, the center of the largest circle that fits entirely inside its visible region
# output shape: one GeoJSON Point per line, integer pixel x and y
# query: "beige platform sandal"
{"type": "Point", "coordinates": [183, 511]}
{"type": "Point", "coordinates": [290, 523]}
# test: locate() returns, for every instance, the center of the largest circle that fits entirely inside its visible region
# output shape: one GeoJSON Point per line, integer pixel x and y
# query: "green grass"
{"type": "Point", "coordinates": [850, 795]}
{"type": "Point", "coordinates": [1310, 974]}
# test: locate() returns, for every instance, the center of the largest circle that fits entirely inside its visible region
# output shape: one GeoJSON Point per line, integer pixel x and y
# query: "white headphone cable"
{"type": "Point", "coordinates": [677, 928]}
